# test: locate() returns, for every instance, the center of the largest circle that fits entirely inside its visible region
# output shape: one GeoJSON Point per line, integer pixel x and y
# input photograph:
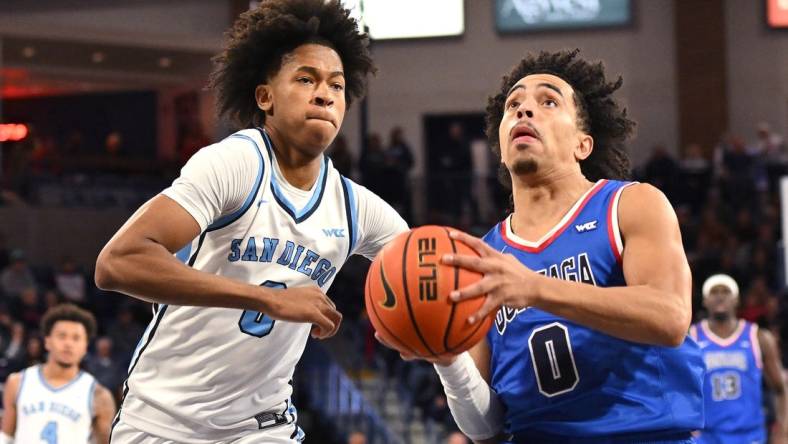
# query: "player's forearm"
{"type": "Point", "coordinates": [149, 272]}
{"type": "Point", "coordinates": [636, 313]}
{"type": "Point", "coordinates": [781, 410]}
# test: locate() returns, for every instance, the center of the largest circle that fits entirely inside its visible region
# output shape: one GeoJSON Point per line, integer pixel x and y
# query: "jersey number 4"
{"type": "Point", "coordinates": [255, 323]}
{"type": "Point", "coordinates": [554, 362]}
{"type": "Point", "coordinates": [49, 433]}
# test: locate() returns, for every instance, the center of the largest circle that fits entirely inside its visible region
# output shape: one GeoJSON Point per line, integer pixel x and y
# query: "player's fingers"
{"type": "Point", "coordinates": [337, 318]}
{"type": "Point", "coordinates": [476, 289]}
{"type": "Point", "coordinates": [474, 242]}
{"type": "Point", "coordinates": [489, 305]}
{"type": "Point", "coordinates": [472, 263]}
{"type": "Point", "coordinates": [324, 325]}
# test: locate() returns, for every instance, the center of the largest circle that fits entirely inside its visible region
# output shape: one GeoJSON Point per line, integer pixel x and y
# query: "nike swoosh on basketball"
{"type": "Point", "coordinates": [391, 298]}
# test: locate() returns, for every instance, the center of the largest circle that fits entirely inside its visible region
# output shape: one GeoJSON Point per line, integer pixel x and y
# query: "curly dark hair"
{"type": "Point", "coordinates": [598, 113]}
{"type": "Point", "coordinates": [68, 312]}
{"type": "Point", "coordinates": [259, 40]}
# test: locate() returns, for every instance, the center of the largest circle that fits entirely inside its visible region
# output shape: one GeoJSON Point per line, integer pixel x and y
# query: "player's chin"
{"type": "Point", "coordinates": [317, 140]}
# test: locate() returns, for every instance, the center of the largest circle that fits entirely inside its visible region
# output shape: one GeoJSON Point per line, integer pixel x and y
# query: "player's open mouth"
{"type": "Point", "coordinates": [524, 134]}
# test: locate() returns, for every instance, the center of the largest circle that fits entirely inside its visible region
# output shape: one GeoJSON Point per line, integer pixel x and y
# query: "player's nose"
{"type": "Point", "coordinates": [322, 97]}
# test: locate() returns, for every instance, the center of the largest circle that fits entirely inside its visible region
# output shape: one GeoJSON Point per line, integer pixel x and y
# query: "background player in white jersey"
{"type": "Point", "coordinates": [56, 402]}
{"type": "Point", "coordinates": [261, 223]}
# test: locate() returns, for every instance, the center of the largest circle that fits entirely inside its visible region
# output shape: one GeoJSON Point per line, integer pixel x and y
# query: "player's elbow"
{"type": "Point", "coordinates": [674, 327]}
{"type": "Point", "coordinates": [107, 276]}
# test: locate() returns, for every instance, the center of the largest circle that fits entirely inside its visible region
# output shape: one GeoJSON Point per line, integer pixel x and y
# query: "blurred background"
{"type": "Point", "coordinates": [101, 103]}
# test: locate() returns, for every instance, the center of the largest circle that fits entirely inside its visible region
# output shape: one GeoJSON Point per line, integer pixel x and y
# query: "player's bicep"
{"type": "Point", "coordinates": [160, 220]}
{"type": "Point", "coordinates": [10, 393]}
{"type": "Point", "coordinates": [653, 253]}
{"type": "Point", "coordinates": [378, 223]}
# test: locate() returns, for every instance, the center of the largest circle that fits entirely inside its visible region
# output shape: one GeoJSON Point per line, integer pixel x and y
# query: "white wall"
{"type": "Point", "coordinates": [757, 70]}
{"type": "Point", "coordinates": [177, 24]}
{"type": "Point", "coordinates": [457, 75]}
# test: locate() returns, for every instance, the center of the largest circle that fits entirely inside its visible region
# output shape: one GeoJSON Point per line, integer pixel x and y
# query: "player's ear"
{"type": "Point", "coordinates": [262, 95]}
{"type": "Point", "coordinates": [585, 146]}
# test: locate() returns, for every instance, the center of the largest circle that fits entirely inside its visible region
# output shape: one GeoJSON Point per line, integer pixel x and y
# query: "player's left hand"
{"type": "Point", "coordinates": [506, 280]}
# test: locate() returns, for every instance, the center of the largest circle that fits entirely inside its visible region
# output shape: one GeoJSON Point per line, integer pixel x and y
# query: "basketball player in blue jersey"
{"type": "Point", "coordinates": [587, 279]}
{"type": "Point", "coordinates": [737, 355]}
{"type": "Point", "coordinates": [56, 402]}
{"type": "Point", "coordinates": [237, 254]}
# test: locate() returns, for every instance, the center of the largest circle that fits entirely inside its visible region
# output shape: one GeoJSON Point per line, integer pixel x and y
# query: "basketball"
{"type": "Point", "coordinates": [407, 295]}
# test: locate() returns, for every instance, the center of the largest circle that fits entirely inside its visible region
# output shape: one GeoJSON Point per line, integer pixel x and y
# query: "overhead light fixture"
{"type": "Point", "coordinates": [28, 52]}
{"type": "Point", "coordinates": [165, 62]}
{"type": "Point", "coordinates": [97, 57]}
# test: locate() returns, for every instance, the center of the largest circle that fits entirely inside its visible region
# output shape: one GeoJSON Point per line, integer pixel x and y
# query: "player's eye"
{"type": "Point", "coordinates": [304, 80]}
{"type": "Point", "coordinates": [514, 104]}
{"type": "Point", "coordinates": [337, 87]}
{"type": "Point", "coordinates": [550, 103]}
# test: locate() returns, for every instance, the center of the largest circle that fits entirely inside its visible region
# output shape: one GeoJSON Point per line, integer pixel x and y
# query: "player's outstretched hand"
{"type": "Point", "coordinates": [443, 361]}
{"type": "Point", "coordinates": [306, 304]}
{"type": "Point", "coordinates": [506, 280]}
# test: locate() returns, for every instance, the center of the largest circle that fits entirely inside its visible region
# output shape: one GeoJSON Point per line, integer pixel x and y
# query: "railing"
{"type": "Point", "coordinates": [333, 395]}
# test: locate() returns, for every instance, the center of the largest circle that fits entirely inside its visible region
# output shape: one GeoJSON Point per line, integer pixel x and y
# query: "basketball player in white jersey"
{"type": "Point", "coordinates": [56, 402]}
{"type": "Point", "coordinates": [237, 254]}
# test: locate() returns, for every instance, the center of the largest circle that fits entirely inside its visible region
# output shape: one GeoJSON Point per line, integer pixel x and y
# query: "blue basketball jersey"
{"type": "Point", "coordinates": [732, 385]}
{"type": "Point", "coordinates": [561, 381]}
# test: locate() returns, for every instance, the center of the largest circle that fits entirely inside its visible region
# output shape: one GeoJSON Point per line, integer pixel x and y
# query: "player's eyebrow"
{"type": "Point", "coordinates": [315, 72]}
{"type": "Point", "coordinates": [544, 84]}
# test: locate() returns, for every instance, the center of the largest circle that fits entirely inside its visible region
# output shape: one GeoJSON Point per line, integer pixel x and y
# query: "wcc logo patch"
{"type": "Point", "coordinates": [334, 232]}
{"type": "Point", "coordinates": [588, 226]}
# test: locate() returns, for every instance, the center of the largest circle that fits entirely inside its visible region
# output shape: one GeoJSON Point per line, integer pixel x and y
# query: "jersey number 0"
{"type": "Point", "coordinates": [255, 323]}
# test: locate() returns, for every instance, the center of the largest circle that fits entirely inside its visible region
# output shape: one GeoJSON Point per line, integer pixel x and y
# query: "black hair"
{"type": "Point", "coordinates": [598, 113]}
{"type": "Point", "coordinates": [68, 312]}
{"type": "Point", "coordinates": [259, 40]}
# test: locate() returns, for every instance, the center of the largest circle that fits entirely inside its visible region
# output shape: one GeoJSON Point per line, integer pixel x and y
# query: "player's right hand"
{"type": "Point", "coordinates": [308, 305]}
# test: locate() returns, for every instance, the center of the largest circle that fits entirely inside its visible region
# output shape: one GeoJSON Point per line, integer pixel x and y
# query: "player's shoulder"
{"type": "Point", "coordinates": [12, 384]}
{"type": "Point", "coordinates": [244, 145]}
{"type": "Point", "coordinates": [643, 203]}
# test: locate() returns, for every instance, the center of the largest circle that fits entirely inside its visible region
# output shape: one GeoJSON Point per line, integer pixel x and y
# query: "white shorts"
{"type": "Point", "coordinates": [123, 433]}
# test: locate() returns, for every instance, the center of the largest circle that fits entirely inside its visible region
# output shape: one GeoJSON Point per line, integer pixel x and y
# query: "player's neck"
{"type": "Point", "coordinates": [723, 327]}
{"type": "Point", "coordinates": [539, 204]}
{"type": "Point", "coordinates": [298, 169]}
{"type": "Point", "coordinates": [57, 375]}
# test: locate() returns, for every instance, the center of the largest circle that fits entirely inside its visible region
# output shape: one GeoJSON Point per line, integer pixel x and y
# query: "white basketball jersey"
{"type": "Point", "coordinates": [203, 374]}
{"type": "Point", "coordinates": [48, 415]}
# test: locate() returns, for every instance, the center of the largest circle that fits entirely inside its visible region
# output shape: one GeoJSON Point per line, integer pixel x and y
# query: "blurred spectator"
{"type": "Point", "coordinates": [695, 171]}
{"type": "Point", "coordinates": [399, 161]}
{"type": "Point", "coordinates": [662, 171]}
{"type": "Point", "coordinates": [113, 145]}
{"type": "Point", "coordinates": [34, 352]}
{"type": "Point", "coordinates": [125, 332]}
{"type": "Point", "coordinates": [737, 173]}
{"type": "Point", "coordinates": [192, 140]}
{"type": "Point", "coordinates": [372, 163]}
{"type": "Point", "coordinates": [341, 156]}
{"type": "Point", "coordinates": [28, 309]}
{"type": "Point", "coordinates": [17, 276]}
{"type": "Point", "coordinates": [103, 365]}
{"type": "Point", "coordinates": [357, 438]}
{"type": "Point", "coordinates": [758, 302]}
{"type": "Point", "coordinates": [456, 438]}
{"type": "Point", "coordinates": [768, 144]}
{"type": "Point", "coordinates": [453, 175]}
{"type": "Point", "coordinates": [51, 299]}
{"type": "Point", "coordinates": [13, 357]}
{"type": "Point", "coordinates": [70, 282]}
